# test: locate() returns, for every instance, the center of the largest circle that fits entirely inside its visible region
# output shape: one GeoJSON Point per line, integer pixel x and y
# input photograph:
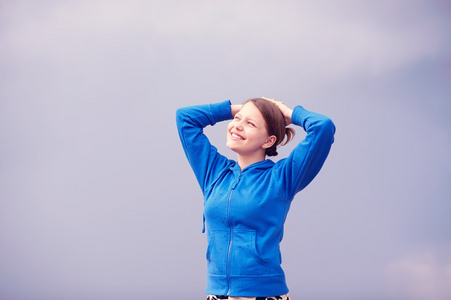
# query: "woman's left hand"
{"type": "Point", "coordinates": [286, 111]}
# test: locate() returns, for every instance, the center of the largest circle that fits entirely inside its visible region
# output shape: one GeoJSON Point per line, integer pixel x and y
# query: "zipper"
{"type": "Point", "coordinates": [231, 235]}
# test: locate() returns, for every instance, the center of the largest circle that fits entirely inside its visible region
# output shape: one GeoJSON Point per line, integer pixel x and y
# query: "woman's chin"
{"type": "Point", "coordinates": [231, 147]}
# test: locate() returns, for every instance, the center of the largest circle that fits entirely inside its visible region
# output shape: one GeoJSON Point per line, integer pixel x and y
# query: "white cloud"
{"type": "Point", "coordinates": [332, 40]}
{"type": "Point", "coordinates": [421, 277]}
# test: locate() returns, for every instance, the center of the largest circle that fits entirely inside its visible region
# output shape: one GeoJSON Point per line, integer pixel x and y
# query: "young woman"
{"type": "Point", "coordinates": [246, 201]}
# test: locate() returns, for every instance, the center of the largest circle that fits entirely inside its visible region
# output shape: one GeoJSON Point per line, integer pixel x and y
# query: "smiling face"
{"type": "Point", "coordinates": [247, 134]}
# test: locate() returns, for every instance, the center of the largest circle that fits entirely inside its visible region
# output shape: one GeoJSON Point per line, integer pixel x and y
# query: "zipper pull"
{"type": "Point", "coordinates": [236, 182]}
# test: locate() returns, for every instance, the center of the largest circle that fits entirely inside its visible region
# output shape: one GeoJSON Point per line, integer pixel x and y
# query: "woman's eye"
{"type": "Point", "coordinates": [252, 124]}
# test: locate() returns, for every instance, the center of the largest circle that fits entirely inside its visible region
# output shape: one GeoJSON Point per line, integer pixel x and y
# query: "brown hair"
{"type": "Point", "coordinates": [275, 123]}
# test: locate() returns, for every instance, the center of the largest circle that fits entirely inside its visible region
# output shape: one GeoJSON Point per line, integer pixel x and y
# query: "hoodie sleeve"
{"type": "Point", "coordinates": [202, 156]}
{"type": "Point", "coordinates": [305, 161]}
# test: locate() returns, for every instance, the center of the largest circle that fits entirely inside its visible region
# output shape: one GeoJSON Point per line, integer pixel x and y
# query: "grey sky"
{"type": "Point", "coordinates": [97, 200]}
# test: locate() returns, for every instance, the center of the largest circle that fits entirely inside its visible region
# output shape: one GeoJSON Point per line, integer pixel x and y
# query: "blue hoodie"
{"type": "Point", "coordinates": [245, 210]}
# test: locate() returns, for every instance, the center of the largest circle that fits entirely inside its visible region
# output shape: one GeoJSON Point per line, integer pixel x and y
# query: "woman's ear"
{"type": "Point", "coordinates": [269, 142]}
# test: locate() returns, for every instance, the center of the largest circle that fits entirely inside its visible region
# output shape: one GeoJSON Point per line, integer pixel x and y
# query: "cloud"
{"type": "Point", "coordinates": [421, 276]}
{"type": "Point", "coordinates": [331, 40]}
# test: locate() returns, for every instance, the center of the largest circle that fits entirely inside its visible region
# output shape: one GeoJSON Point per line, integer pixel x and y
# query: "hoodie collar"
{"type": "Point", "coordinates": [262, 165]}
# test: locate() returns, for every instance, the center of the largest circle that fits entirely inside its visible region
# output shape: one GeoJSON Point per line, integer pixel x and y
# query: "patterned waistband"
{"type": "Point", "coordinates": [281, 297]}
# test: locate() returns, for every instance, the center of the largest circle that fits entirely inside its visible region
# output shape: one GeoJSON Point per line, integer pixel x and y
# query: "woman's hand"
{"type": "Point", "coordinates": [235, 108]}
{"type": "Point", "coordinates": [286, 111]}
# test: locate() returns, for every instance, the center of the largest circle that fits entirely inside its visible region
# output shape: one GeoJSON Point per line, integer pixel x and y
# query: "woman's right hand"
{"type": "Point", "coordinates": [235, 108]}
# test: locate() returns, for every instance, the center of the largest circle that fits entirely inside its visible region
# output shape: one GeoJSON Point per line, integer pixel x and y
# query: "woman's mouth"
{"type": "Point", "coordinates": [236, 136]}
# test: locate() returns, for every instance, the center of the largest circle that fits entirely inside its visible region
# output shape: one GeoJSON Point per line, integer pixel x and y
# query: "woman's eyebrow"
{"type": "Point", "coordinates": [252, 120]}
{"type": "Point", "coordinates": [246, 117]}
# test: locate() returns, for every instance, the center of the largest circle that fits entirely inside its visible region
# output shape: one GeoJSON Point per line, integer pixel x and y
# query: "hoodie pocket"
{"type": "Point", "coordinates": [245, 257]}
{"type": "Point", "coordinates": [217, 249]}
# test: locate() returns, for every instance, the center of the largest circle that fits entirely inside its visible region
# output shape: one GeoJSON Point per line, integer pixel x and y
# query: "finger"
{"type": "Point", "coordinates": [269, 99]}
